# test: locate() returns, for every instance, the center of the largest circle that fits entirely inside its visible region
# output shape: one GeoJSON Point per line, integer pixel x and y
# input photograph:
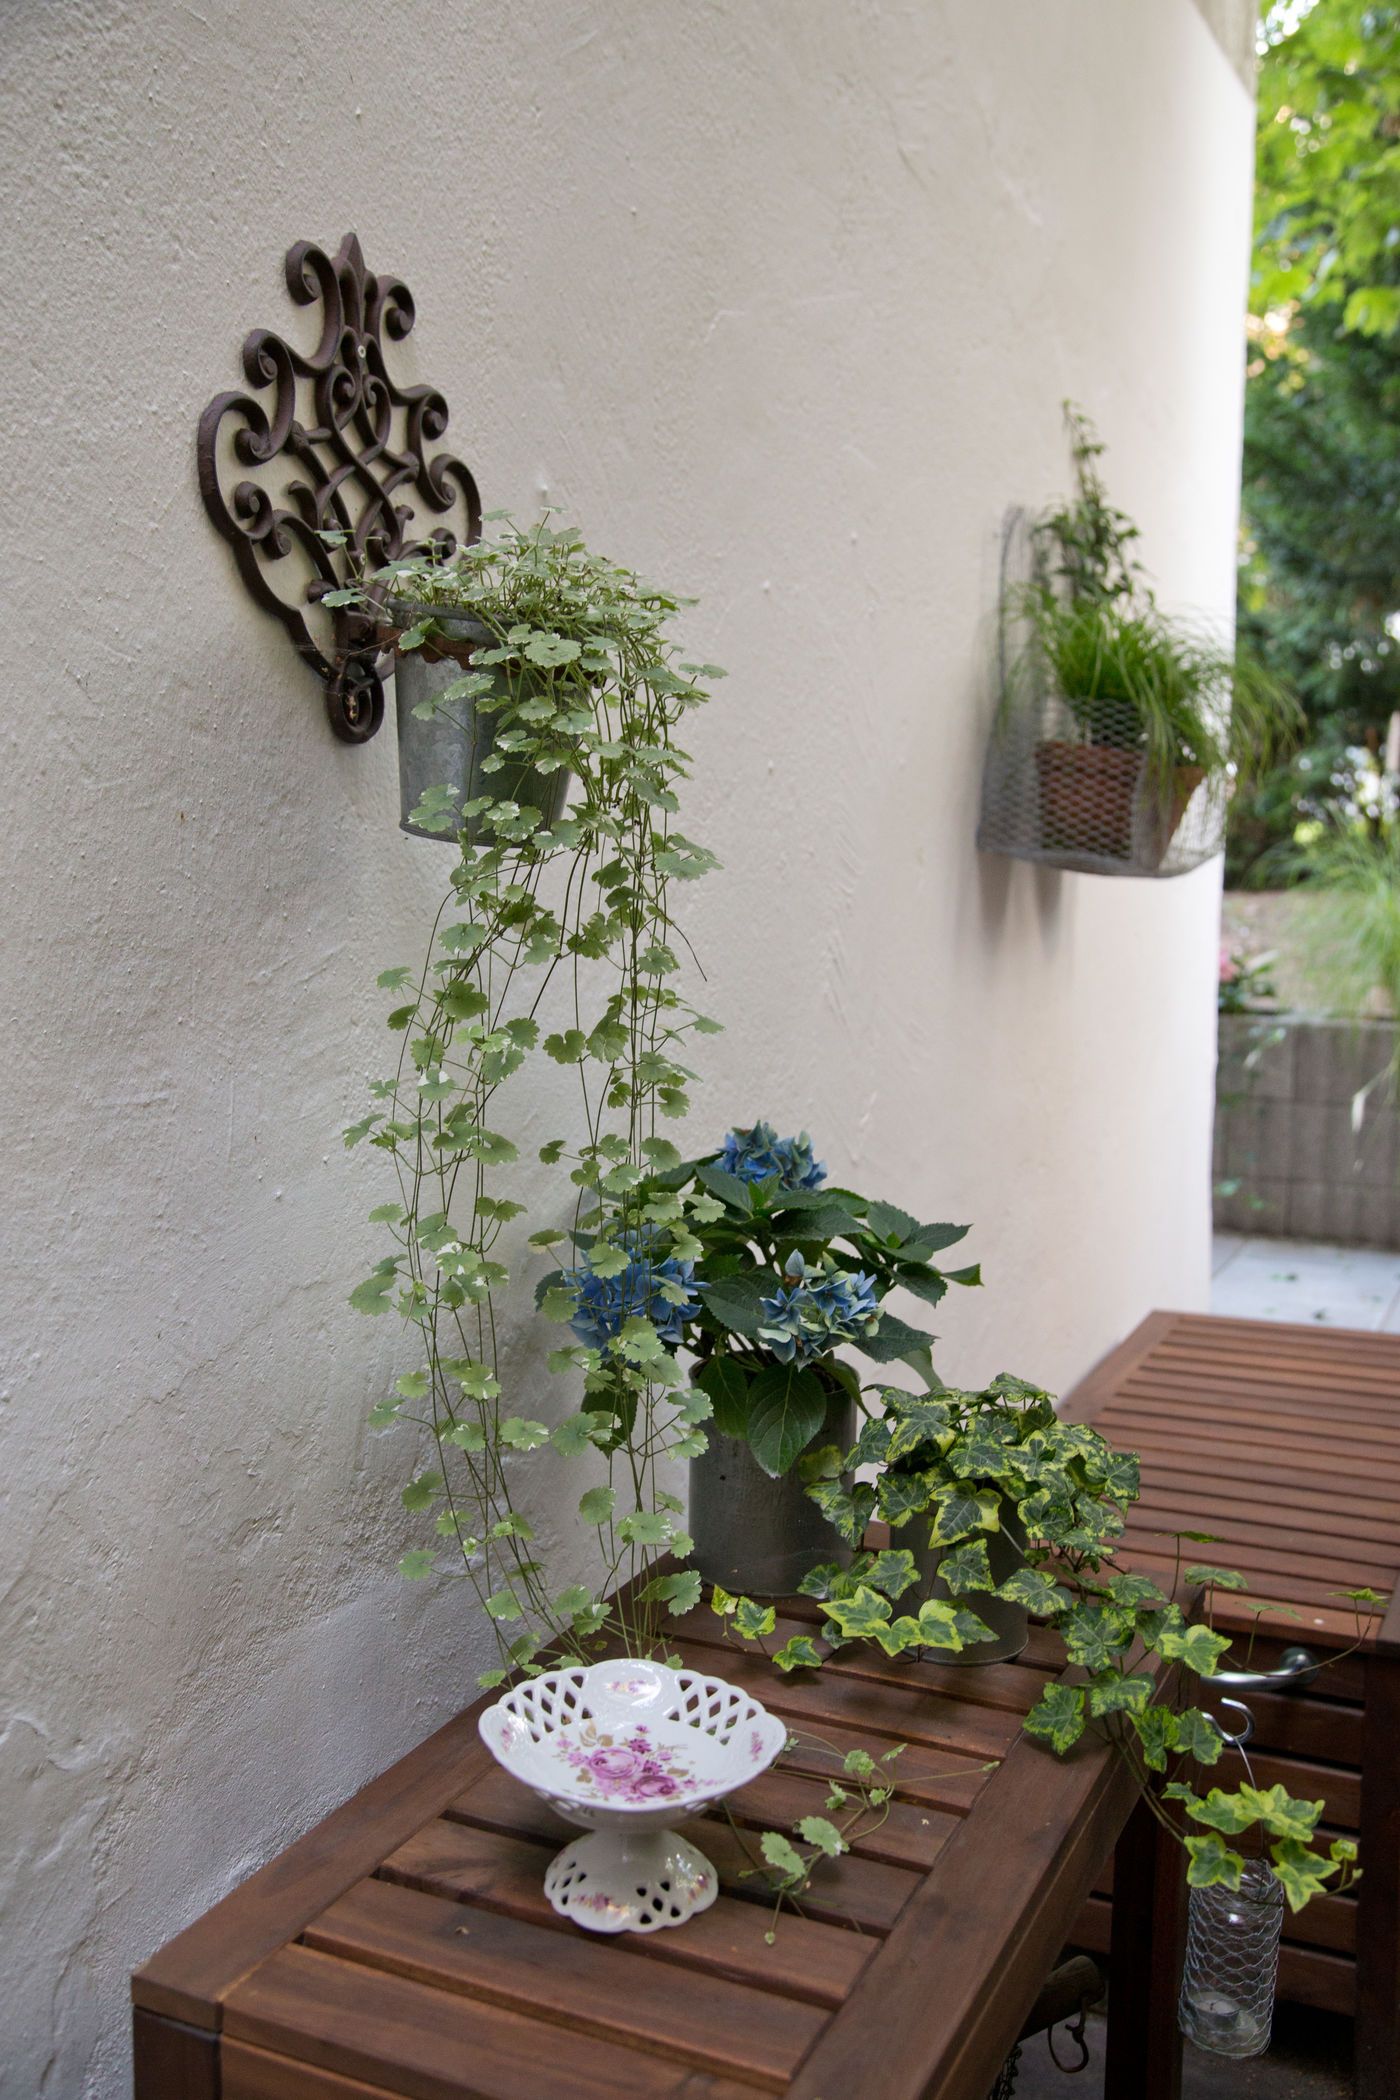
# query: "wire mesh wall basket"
{"type": "Point", "coordinates": [1068, 781]}
{"type": "Point", "coordinates": [1232, 1947]}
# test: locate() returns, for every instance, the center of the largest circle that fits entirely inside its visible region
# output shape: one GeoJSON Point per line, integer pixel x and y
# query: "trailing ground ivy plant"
{"type": "Point", "coordinates": [964, 1465]}
{"type": "Point", "coordinates": [582, 677]}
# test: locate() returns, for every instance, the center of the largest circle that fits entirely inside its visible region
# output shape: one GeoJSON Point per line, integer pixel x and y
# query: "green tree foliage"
{"type": "Point", "coordinates": [1329, 163]}
{"type": "Point", "coordinates": [1320, 571]}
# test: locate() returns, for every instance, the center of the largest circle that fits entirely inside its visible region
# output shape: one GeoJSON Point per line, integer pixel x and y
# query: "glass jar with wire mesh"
{"type": "Point", "coordinates": [1232, 1949]}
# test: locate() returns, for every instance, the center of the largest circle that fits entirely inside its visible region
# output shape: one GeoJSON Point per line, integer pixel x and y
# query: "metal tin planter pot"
{"type": "Point", "coordinates": [449, 749]}
{"type": "Point", "coordinates": [754, 1534]}
{"type": "Point", "coordinates": [1010, 1623]}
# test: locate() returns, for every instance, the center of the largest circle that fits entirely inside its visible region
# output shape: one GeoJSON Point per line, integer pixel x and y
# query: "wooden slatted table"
{"type": "Point", "coordinates": [1284, 1441]}
{"type": "Point", "coordinates": [405, 1946]}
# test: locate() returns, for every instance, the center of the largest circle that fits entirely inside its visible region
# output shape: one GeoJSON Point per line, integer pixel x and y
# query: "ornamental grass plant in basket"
{"type": "Point", "coordinates": [1139, 711]}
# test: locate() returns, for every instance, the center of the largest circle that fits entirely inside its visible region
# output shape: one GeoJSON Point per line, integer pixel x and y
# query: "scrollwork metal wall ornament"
{"type": "Point", "coordinates": [338, 447]}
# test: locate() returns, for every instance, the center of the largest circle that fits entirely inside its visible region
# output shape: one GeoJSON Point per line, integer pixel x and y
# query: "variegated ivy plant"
{"type": "Point", "coordinates": [961, 1465]}
{"type": "Point", "coordinates": [582, 676]}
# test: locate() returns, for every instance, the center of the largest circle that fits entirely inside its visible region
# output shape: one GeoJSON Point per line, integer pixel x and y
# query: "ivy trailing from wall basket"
{"type": "Point", "coordinates": [560, 666]}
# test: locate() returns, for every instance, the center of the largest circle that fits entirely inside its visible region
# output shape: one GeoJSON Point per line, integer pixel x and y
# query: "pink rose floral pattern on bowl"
{"type": "Point", "coordinates": [624, 1766]}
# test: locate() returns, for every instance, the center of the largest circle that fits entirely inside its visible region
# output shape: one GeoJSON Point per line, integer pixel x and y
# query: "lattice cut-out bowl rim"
{"type": "Point", "coordinates": [630, 1742]}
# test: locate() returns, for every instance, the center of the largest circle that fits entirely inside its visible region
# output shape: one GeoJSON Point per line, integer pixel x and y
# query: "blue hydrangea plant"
{"type": "Point", "coordinates": [787, 1272]}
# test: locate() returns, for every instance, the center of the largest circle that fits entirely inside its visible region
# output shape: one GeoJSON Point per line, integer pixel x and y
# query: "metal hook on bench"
{"type": "Point", "coordinates": [1296, 1666]}
{"type": "Point", "coordinates": [1241, 1735]}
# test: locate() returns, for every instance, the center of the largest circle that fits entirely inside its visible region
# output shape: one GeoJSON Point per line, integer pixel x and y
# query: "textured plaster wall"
{"type": "Point", "coordinates": [780, 300]}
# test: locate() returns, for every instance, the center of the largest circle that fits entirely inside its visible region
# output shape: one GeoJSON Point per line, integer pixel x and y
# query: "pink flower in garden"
{"type": "Point", "coordinates": [1229, 967]}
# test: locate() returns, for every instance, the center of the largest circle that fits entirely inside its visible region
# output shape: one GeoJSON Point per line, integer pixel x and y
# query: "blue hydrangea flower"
{"type": "Point", "coordinates": [604, 1302]}
{"type": "Point", "coordinates": [759, 1153]}
{"type": "Point", "coordinates": [817, 1310]}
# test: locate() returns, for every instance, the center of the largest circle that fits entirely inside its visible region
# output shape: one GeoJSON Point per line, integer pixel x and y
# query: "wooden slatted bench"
{"type": "Point", "coordinates": [405, 1946]}
{"type": "Point", "coordinates": [1284, 1441]}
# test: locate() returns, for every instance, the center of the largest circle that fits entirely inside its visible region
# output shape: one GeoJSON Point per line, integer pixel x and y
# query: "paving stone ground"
{"type": "Point", "coordinates": [1273, 1279]}
{"type": "Point", "coordinates": [1309, 2059]}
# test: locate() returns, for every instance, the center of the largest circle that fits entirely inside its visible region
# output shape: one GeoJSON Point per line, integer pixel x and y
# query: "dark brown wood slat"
{"type": "Point", "coordinates": [189, 1977]}
{"type": "Point", "coordinates": [434, 2045]}
{"type": "Point", "coordinates": [1098, 1387]}
{"type": "Point", "coordinates": [814, 1962]}
{"type": "Point", "coordinates": [1226, 1358]}
{"type": "Point", "coordinates": [1287, 1404]}
{"type": "Point", "coordinates": [255, 2074]}
{"type": "Point", "coordinates": [1378, 1945]}
{"type": "Point", "coordinates": [1305, 1592]}
{"type": "Point", "coordinates": [1193, 1472]}
{"type": "Point", "coordinates": [1295, 1724]}
{"type": "Point", "coordinates": [1342, 1678]}
{"type": "Point", "coordinates": [1307, 1975]}
{"type": "Point", "coordinates": [167, 2057]}
{"type": "Point", "coordinates": [911, 1834]}
{"type": "Point", "coordinates": [813, 1699]}
{"type": "Point", "coordinates": [1328, 1921]}
{"type": "Point", "coordinates": [850, 1890]}
{"type": "Point", "coordinates": [1324, 1574]}
{"type": "Point", "coordinates": [1339, 1789]}
{"type": "Point", "coordinates": [569, 1979]}
{"type": "Point", "coordinates": [1010, 1687]}
{"type": "Point", "coordinates": [926, 1778]}
{"type": "Point", "coordinates": [1174, 1506]}
{"type": "Point", "coordinates": [1142, 2058]}
{"type": "Point", "coordinates": [996, 1906]}
{"type": "Point", "coordinates": [1273, 1463]}
{"type": "Point", "coordinates": [1332, 1355]}
{"type": "Point", "coordinates": [1286, 1335]}
{"type": "Point", "coordinates": [1303, 1438]}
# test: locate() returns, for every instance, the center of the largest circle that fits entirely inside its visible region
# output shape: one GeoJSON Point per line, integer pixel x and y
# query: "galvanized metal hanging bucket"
{"type": "Point", "coordinates": [756, 1535]}
{"type": "Point", "coordinates": [449, 748]}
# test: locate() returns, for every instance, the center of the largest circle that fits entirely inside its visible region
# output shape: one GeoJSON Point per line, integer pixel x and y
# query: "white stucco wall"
{"type": "Point", "coordinates": [780, 302]}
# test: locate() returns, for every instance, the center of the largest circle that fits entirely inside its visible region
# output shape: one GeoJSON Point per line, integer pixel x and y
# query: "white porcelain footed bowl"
{"type": "Point", "coordinates": [626, 1748]}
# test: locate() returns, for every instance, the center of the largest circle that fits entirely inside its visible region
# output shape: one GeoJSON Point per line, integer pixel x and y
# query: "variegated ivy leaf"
{"type": "Point", "coordinates": [1196, 1736]}
{"type": "Point", "coordinates": [960, 1512]}
{"type": "Point", "coordinates": [966, 1568]}
{"type": "Point", "coordinates": [799, 1653]}
{"type": "Point", "coordinates": [1034, 1590]}
{"type": "Point", "coordinates": [1303, 1874]}
{"type": "Point", "coordinates": [892, 1572]}
{"type": "Point", "coordinates": [1212, 1863]}
{"type": "Point", "coordinates": [1196, 1646]}
{"type": "Point", "coordinates": [1280, 1814]}
{"type": "Point", "coordinates": [1216, 1578]}
{"type": "Point", "coordinates": [1119, 1693]}
{"type": "Point", "coordinates": [937, 1626]}
{"type": "Point", "coordinates": [1058, 1716]}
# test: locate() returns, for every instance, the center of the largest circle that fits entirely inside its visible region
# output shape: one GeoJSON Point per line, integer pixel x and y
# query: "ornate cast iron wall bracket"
{"type": "Point", "coordinates": [337, 446]}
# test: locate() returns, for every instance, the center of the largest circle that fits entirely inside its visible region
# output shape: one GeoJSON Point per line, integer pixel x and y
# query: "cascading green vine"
{"type": "Point", "coordinates": [567, 919]}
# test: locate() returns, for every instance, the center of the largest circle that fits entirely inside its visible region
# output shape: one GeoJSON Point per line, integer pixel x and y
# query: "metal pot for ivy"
{"type": "Point", "coordinates": [1010, 1623]}
{"type": "Point", "coordinates": [449, 748]}
{"type": "Point", "coordinates": [756, 1535]}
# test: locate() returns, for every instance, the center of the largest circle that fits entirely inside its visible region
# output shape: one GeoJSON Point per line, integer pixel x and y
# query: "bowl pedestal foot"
{"type": "Point", "coordinates": [630, 1881]}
